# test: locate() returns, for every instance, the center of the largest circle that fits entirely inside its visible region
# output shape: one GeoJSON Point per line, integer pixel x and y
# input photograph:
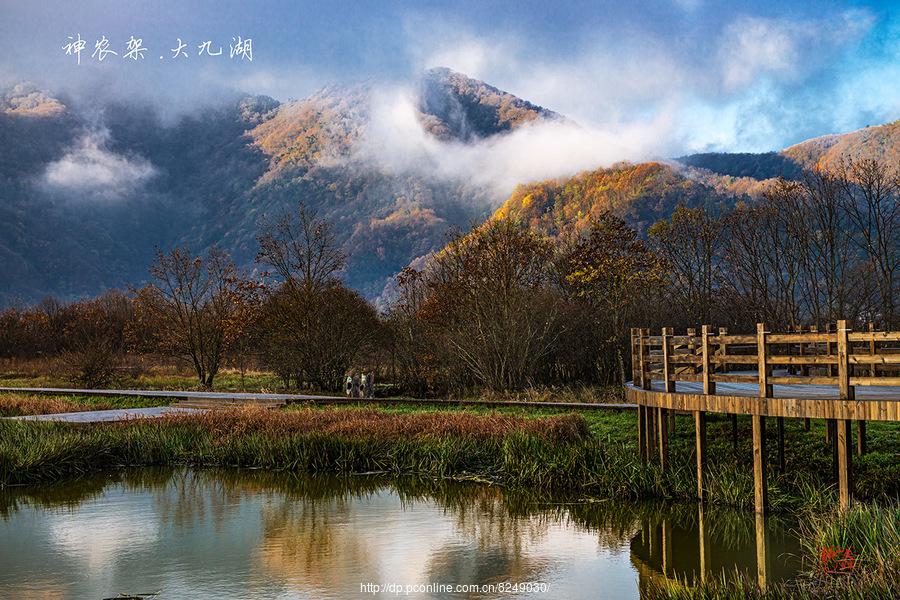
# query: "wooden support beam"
{"type": "Point", "coordinates": [700, 439]}
{"type": "Point", "coordinates": [760, 489]}
{"type": "Point", "coordinates": [860, 437]}
{"type": "Point", "coordinates": [734, 433]}
{"type": "Point", "coordinates": [780, 421]}
{"type": "Point", "coordinates": [806, 424]}
{"type": "Point", "coordinates": [662, 433]}
{"type": "Point", "coordinates": [762, 552]}
{"type": "Point", "coordinates": [672, 423]}
{"type": "Point", "coordinates": [833, 446]}
{"type": "Point", "coordinates": [640, 431]}
{"type": "Point", "coordinates": [704, 546]}
{"type": "Point", "coordinates": [844, 458]}
{"type": "Point", "coordinates": [667, 556]}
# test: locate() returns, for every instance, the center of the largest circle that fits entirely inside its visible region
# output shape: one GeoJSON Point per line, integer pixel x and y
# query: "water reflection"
{"type": "Point", "coordinates": [691, 544]}
{"type": "Point", "coordinates": [215, 534]}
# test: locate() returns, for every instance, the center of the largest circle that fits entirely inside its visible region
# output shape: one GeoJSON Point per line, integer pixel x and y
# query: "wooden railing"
{"type": "Point", "coordinates": [836, 356]}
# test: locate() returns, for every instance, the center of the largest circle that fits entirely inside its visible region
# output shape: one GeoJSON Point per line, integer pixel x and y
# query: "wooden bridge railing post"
{"type": "Point", "coordinates": [668, 378]}
{"type": "Point", "coordinates": [646, 379]}
{"type": "Point", "coordinates": [873, 372]}
{"type": "Point", "coordinates": [760, 487]}
{"type": "Point", "coordinates": [709, 386]}
{"type": "Point", "coordinates": [844, 432]}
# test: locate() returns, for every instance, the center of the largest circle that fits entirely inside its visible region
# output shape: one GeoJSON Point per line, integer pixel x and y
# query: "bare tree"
{"type": "Point", "coordinates": [872, 203]}
{"type": "Point", "coordinates": [490, 301]}
{"type": "Point", "coordinates": [192, 309]}
{"type": "Point", "coordinates": [690, 242]}
{"type": "Point", "coordinates": [302, 249]}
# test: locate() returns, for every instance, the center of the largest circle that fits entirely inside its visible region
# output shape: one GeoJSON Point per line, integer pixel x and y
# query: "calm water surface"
{"type": "Point", "coordinates": [240, 534]}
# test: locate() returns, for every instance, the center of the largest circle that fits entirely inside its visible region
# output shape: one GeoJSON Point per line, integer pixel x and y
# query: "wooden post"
{"type": "Point", "coordinates": [667, 368]}
{"type": "Point", "coordinates": [646, 382]}
{"type": "Point", "coordinates": [667, 546]}
{"type": "Point", "coordinates": [806, 424]}
{"type": "Point", "coordinates": [765, 388]}
{"type": "Point", "coordinates": [831, 435]}
{"type": "Point", "coordinates": [762, 552]}
{"type": "Point", "coordinates": [723, 349]}
{"type": "Point", "coordinates": [843, 359]}
{"type": "Point", "coordinates": [760, 489]}
{"type": "Point", "coordinates": [844, 432]}
{"type": "Point", "coordinates": [704, 547]}
{"type": "Point", "coordinates": [780, 421]}
{"type": "Point", "coordinates": [734, 433]}
{"type": "Point", "coordinates": [761, 500]}
{"type": "Point", "coordinates": [709, 386]}
{"type": "Point", "coordinates": [804, 369]}
{"type": "Point", "coordinates": [640, 431]}
{"type": "Point", "coordinates": [844, 456]}
{"type": "Point", "coordinates": [873, 372]}
{"type": "Point", "coordinates": [663, 437]}
{"type": "Point", "coordinates": [700, 435]}
{"type": "Point", "coordinates": [635, 357]}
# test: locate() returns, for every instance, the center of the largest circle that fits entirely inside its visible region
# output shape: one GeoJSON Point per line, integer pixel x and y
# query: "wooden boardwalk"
{"type": "Point", "coordinates": [212, 399]}
{"type": "Point", "coordinates": [838, 375]}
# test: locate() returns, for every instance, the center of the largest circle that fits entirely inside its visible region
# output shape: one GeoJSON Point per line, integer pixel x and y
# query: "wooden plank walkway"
{"type": "Point", "coordinates": [318, 399]}
{"type": "Point", "coordinates": [107, 416]}
{"type": "Point", "coordinates": [844, 377]}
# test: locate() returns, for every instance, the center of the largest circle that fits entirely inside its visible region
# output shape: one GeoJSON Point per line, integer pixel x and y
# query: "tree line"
{"type": "Point", "coordinates": [502, 307]}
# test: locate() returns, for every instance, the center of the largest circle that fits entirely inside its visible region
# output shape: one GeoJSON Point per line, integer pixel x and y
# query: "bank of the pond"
{"type": "Point", "coordinates": [587, 454]}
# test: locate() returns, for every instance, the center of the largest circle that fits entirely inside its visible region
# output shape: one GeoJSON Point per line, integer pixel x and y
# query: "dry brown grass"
{"type": "Point", "coordinates": [381, 425]}
{"type": "Point", "coordinates": [14, 405]}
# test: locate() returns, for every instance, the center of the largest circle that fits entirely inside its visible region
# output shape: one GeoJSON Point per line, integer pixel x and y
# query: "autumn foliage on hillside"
{"type": "Point", "coordinates": [640, 194]}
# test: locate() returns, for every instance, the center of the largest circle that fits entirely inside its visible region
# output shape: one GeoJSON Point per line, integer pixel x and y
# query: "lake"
{"type": "Point", "coordinates": [257, 534]}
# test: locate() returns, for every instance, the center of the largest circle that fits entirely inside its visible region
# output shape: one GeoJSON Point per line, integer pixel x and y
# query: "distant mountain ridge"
{"type": "Point", "coordinates": [213, 176]}
{"type": "Point", "coordinates": [217, 173]}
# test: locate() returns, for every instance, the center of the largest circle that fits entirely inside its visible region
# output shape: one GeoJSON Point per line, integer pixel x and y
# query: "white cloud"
{"type": "Point", "coordinates": [703, 89]}
{"type": "Point", "coordinates": [90, 168]}
{"type": "Point", "coordinates": [397, 143]}
{"type": "Point", "coordinates": [752, 46]}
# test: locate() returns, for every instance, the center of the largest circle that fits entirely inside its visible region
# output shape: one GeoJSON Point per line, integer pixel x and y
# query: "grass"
{"type": "Point", "coordinates": [45, 373]}
{"type": "Point", "coordinates": [336, 440]}
{"type": "Point", "coordinates": [600, 461]}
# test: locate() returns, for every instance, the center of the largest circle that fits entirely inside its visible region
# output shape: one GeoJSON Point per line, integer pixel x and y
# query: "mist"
{"type": "Point", "coordinates": [397, 143]}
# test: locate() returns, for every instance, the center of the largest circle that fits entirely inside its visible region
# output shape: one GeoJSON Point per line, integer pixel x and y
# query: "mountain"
{"type": "Point", "coordinates": [87, 194]}
{"type": "Point", "coordinates": [86, 200]}
{"type": "Point", "coordinates": [640, 194]}
{"type": "Point", "coordinates": [646, 192]}
{"type": "Point", "coordinates": [881, 142]}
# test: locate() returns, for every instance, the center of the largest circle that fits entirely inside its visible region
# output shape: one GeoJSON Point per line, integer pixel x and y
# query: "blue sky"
{"type": "Point", "coordinates": [692, 75]}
